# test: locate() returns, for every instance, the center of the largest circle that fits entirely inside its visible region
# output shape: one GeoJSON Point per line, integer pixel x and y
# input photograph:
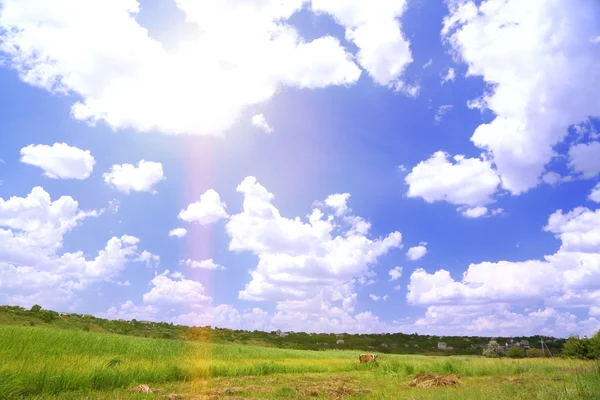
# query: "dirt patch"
{"type": "Point", "coordinates": [145, 389]}
{"type": "Point", "coordinates": [515, 380]}
{"type": "Point", "coordinates": [435, 380]}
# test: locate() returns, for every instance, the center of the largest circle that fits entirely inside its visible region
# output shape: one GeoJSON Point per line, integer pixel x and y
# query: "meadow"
{"type": "Point", "coordinates": [47, 363]}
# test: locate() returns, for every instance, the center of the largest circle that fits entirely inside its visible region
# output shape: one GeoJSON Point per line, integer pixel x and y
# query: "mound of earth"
{"type": "Point", "coordinates": [435, 380]}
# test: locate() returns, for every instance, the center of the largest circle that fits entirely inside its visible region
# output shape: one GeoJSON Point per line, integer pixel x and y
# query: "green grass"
{"type": "Point", "coordinates": [66, 364]}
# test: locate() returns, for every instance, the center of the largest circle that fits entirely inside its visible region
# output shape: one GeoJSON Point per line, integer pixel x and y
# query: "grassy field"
{"type": "Point", "coordinates": [51, 363]}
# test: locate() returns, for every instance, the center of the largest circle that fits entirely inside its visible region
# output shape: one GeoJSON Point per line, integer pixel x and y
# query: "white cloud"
{"type": "Point", "coordinates": [127, 177]}
{"type": "Point", "coordinates": [151, 260]}
{"type": "Point", "coordinates": [567, 277]}
{"type": "Point", "coordinates": [204, 264]}
{"type": "Point", "coordinates": [183, 292]}
{"type": "Point", "coordinates": [475, 212]}
{"type": "Point", "coordinates": [338, 202]}
{"type": "Point", "coordinates": [59, 161]}
{"type": "Point", "coordinates": [397, 287]}
{"type": "Point", "coordinates": [176, 275]}
{"type": "Point", "coordinates": [520, 49]}
{"type": "Point", "coordinates": [208, 210]}
{"type": "Point", "coordinates": [402, 168]}
{"type": "Point", "coordinates": [417, 252]}
{"type": "Point", "coordinates": [201, 86]}
{"type": "Point", "coordinates": [129, 311]}
{"type": "Point", "coordinates": [551, 178]}
{"type": "Point", "coordinates": [178, 232]}
{"type": "Point", "coordinates": [594, 311]}
{"type": "Point", "coordinates": [385, 298]}
{"type": "Point", "coordinates": [450, 76]}
{"type": "Point", "coordinates": [303, 266]}
{"type": "Point", "coordinates": [469, 182]}
{"type": "Point", "coordinates": [595, 194]}
{"type": "Point", "coordinates": [441, 111]}
{"type": "Point", "coordinates": [584, 158]}
{"type": "Point", "coordinates": [428, 63]}
{"type": "Point", "coordinates": [375, 29]}
{"type": "Point", "coordinates": [259, 121]}
{"type": "Point", "coordinates": [374, 297]}
{"type": "Point", "coordinates": [395, 273]}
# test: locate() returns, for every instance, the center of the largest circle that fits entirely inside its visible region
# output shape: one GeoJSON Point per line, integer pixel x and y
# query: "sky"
{"type": "Point", "coordinates": [405, 166]}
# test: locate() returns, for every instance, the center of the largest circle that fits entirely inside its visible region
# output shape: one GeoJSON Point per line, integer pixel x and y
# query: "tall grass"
{"type": "Point", "coordinates": [48, 361]}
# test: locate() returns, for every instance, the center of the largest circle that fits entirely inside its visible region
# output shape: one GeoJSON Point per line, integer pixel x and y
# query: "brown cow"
{"type": "Point", "coordinates": [367, 358]}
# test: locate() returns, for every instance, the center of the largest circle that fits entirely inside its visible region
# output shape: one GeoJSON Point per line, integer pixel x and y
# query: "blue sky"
{"type": "Point", "coordinates": [407, 124]}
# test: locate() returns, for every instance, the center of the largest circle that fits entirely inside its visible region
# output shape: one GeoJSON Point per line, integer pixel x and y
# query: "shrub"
{"type": "Point", "coordinates": [515, 352]}
{"type": "Point", "coordinates": [533, 353]}
{"type": "Point", "coordinates": [493, 350]}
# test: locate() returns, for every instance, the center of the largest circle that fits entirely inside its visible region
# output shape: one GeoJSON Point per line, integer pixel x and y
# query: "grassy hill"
{"type": "Point", "coordinates": [50, 363]}
{"type": "Point", "coordinates": [397, 343]}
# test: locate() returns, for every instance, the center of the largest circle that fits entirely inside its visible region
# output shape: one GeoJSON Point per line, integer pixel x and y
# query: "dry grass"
{"type": "Point", "coordinates": [435, 380]}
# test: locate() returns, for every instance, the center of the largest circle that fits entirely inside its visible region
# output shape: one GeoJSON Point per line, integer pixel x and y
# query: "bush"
{"type": "Point", "coordinates": [515, 352]}
{"type": "Point", "coordinates": [493, 350]}
{"type": "Point", "coordinates": [533, 353]}
{"type": "Point", "coordinates": [576, 347]}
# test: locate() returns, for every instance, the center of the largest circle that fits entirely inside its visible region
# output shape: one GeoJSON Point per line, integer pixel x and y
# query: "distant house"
{"type": "Point", "coordinates": [145, 322]}
{"type": "Point", "coordinates": [64, 314]}
{"type": "Point", "coordinates": [339, 341]}
{"type": "Point", "coordinates": [524, 344]}
{"type": "Point", "coordinates": [87, 315]}
{"type": "Point", "coordinates": [442, 345]}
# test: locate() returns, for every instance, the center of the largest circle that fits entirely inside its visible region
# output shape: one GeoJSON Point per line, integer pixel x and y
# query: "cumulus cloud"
{"type": "Point", "coordinates": [374, 28]}
{"type": "Point", "coordinates": [567, 278]}
{"type": "Point", "coordinates": [303, 266]}
{"type": "Point", "coordinates": [129, 311]}
{"type": "Point", "coordinates": [584, 158]}
{"type": "Point", "coordinates": [208, 210]}
{"type": "Point", "coordinates": [31, 234]}
{"type": "Point", "coordinates": [151, 260]}
{"type": "Point", "coordinates": [532, 55]}
{"type": "Point", "coordinates": [167, 292]}
{"type": "Point", "coordinates": [59, 161]}
{"type": "Point", "coordinates": [475, 212]}
{"type": "Point", "coordinates": [178, 232]}
{"type": "Point", "coordinates": [141, 178]}
{"type": "Point", "coordinates": [338, 202]}
{"type": "Point", "coordinates": [202, 85]}
{"type": "Point", "coordinates": [469, 182]}
{"type": "Point", "coordinates": [395, 273]}
{"type": "Point", "coordinates": [374, 297]}
{"type": "Point", "coordinates": [595, 194]}
{"type": "Point", "coordinates": [260, 122]}
{"type": "Point", "coordinates": [204, 264]}
{"type": "Point", "coordinates": [417, 252]}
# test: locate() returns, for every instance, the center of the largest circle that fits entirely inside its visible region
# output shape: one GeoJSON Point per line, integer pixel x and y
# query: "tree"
{"type": "Point", "coordinates": [533, 352]}
{"type": "Point", "coordinates": [515, 352]}
{"type": "Point", "coordinates": [576, 347]}
{"type": "Point", "coordinates": [36, 308]}
{"type": "Point", "coordinates": [594, 346]}
{"type": "Point", "coordinates": [493, 350]}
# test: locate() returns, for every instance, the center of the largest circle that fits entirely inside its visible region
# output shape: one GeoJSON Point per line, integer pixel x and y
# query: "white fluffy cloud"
{"type": "Point", "coordinates": [303, 266]}
{"type": "Point", "coordinates": [178, 232]}
{"type": "Point", "coordinates": [31, 233]}
{"type": "Point", "coordinates": [441, 111]}
{"type": "Point", "coordinates": [469, 182]}
{"type": "Point", "coordinates": [260, 122]}
{"type": "Point", "coordinates": [373, 26]}
{"type": "Point", "coordinates": [204, 264]}
{"type": "Point", "coordinates": [338, 202]}
{"type": "Point", "coordinates": [567, 278]}
{"type": "Point", "coordinates": [202, 86]}
{"type": "Point", "coordinates": [395, 273]}
{"type": "Point", "coordinates": [129, 311]}
{"type": "Point", "coordinates": [533, 55]}
{"type": "Point", "coordinates": [141, 178]}
{"type": "Point", "coordinates": [208, 210]}
{"type": "Point", "coordinates": [417, 252]}
{"type": "Point", "coordinates": [584, 158]}
{"type": "Point", "coordinates": [595, 194]}
{"type": "Point", "coordinates": [169, 292]}
{"type": "Point", "coordinates": [59, 161]}
{"type": "Point", "coordinates": [374, 297]}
